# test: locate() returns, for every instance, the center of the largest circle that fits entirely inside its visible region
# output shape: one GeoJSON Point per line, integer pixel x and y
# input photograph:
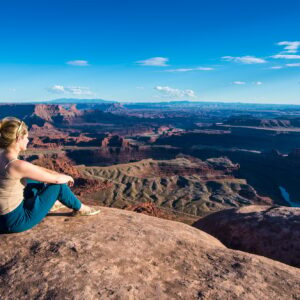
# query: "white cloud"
{"type": "Point", "coordinates": [239, 82]}
{"type": "Point", "coordinates": [78, 90]}
{"type": "Point", "coordinates": [293, 65]}
{"type": "Point", "coordinates": [245, 59]}
{"type": "Point", "coordinates": [190, 69]}
{"type": "Point", "coordinates": [154, 61]}
{"type": "Point", "coordinates": [174, 93]}
{"type": "Point", "coordinates": [79, 63]}
{"type": "Point", "coordinates": [290, 47]}
{"type": "Point", "coordinates": [286, 56]}
{"type": "Point", "coordinates": [57, 89]}
{"type": "Point", "coordinates": [74, 90]}
{"type": "Point", "coordinates": [244, 82]}
{"type": "Point", "coordinates": [276, 67]}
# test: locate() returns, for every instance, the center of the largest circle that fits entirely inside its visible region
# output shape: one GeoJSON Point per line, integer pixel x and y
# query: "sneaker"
{"type": "Point", "coordinates": [90, 212]}
{"type": "Point", "coordinates": [57, 205]}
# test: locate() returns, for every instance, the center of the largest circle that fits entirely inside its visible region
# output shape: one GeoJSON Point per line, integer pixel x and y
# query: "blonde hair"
{"type": "Point", "coordinates": [10, 129]}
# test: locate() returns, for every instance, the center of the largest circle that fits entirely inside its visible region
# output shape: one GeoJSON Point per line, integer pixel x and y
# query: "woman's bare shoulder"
{"type": "Point", "coordinates": [21, 164]}
{"type": "Point", "coordinates": [15, 167]}
{"type": "Point", "coordinates": [23, 168]}
{"type": "Point", "coordinates": [26, 169]}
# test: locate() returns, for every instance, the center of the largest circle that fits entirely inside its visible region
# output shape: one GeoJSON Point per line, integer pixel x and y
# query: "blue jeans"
{"type": "Point", "coordinates": [38, 200]}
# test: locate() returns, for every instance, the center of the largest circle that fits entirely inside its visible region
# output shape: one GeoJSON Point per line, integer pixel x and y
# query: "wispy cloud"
{"type": "Point", "coordinates": [79, 63]}
{"type": "Point", "coordinates": [286, 56]}
{"type": "Point", "coordinates": [276, 67]}
{"type": "Point", "coordinates": [239, 82]}
{"type": "Point", "coordinates": [74, 90]}
{"type": "Point", "coordinates": [190, 69]}
{"type": "Point", "coordinates": [154, 61]}
{"type": "Point", "coordinates": [174, 93]}
{"type": "Point", "coordinates": [293, 65]}
{"type": "Point", "coordinates": [57, 89]}
{"type": "Point", "coordinates": [290, 47]}
{"type": "Point", "coordinates": [245, 59]}
{"type": "Point", "coordinates": [244, 82]}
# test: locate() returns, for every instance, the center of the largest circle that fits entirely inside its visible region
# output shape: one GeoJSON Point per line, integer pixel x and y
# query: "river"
{"type": "Point", "coordinates": [286, 197]}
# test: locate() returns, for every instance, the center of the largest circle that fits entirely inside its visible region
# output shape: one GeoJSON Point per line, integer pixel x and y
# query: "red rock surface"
{"type": "Point", "coordinates": [270, 231]}
{"type": "Point", "coordinates": [114, 141]}
{"type": "Point", "coordinates": [56, 113]}
{"type": "Point", "coordinates": [58, 163]}
{"type": "Point", "coordinates": [124, 255]}
{"type": "Point", "coordinates": [150, 209]}
{"type": "Point", "coordinates": [86, 186]}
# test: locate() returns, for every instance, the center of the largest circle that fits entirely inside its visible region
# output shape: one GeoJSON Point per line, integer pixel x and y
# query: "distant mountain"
{"type": "Point", "coordinates": [76, 101]}
{"type": "Point", "coordinates": [208, 105]}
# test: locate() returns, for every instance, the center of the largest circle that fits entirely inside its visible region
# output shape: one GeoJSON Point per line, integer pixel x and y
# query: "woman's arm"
{"type": "Point", "coordinates": [50, 171]}
{"type": "Point", "coordinates": [25, 169]}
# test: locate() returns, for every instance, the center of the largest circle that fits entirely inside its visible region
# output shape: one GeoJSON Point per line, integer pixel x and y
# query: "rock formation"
{"type": "Point", "coordinates": [124, 255]}
{"type": "Point", "coordinates": [114, 141]}
{"type": "Point", "coordinates": [56, 113]}
{"type": "Point", "coordinates": [187, 185]}
{"type": "Point", "coordinates": [115, 108]}
{"type": "Point", "coordinates": [59, 163]}
{"type": "Point", "coordinates": [150, 209]}
{"type": "Point", "coordinates": [273, 232]}
{"type": "Point", "coordinates": [248, 120]}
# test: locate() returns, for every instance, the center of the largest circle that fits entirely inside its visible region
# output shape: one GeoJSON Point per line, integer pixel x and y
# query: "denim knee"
{"type": "Point", "coordinates": [64, 186]}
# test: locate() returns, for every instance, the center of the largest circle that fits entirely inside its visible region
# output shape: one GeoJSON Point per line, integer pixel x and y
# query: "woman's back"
{"type": "Point", "coordinates": [11, 188]}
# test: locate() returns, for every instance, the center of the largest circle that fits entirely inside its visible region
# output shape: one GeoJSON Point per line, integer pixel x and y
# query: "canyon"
{"type": "Point", "coordinates": [230, 171]}
{"type": "Point", "coordinates": [261, 141]}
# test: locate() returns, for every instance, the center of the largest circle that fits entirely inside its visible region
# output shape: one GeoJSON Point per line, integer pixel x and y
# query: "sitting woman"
{"type": "Point", "coordinates": [22, 208]}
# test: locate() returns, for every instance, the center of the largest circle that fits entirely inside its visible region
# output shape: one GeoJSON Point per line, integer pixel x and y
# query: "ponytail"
{"type": "Point", "coordinates": [10, 129]}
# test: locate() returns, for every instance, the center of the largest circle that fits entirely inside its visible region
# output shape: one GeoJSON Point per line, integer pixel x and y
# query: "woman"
{"type": "Point", "coordinates": [22, 208]}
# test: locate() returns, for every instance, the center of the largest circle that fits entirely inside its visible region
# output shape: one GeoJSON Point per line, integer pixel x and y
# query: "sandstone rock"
{"type": "Point", "coordinates": [124, 255]}
{"type": "Point", "coordinates": [150, 209]}
{"type": "Point", "coordinates": [273, 232]}
{"type": "Point", "coordinates": [248, 120]}
{"type": "Point", "coordinates": [114, 141]}
{"type": "Point", "coordinates": [59, 163]}
{"type": "Point", "coordinates": [189, 186]}
{"type": "Point", "coordinates": [55, 113]}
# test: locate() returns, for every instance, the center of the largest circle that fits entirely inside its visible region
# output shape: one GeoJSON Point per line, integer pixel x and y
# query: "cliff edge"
{"type": "Point", "coordinates": [271, 231]}
{"type": "Point", "coordinates": [120, 254]}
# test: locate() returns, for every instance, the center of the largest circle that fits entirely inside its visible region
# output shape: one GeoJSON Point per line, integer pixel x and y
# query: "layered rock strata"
{"type": "Point", "coordinates": [270, 231]}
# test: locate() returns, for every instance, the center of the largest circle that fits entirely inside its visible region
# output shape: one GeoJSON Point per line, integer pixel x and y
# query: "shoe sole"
{"type": "Point", "coordinates": [56, 208]}
{"type": "Point", "coordinates": [86, 214]}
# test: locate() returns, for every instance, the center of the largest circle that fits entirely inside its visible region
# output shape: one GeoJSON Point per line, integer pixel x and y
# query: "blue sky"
{"type": "Point", "coordinates": [231, 51]}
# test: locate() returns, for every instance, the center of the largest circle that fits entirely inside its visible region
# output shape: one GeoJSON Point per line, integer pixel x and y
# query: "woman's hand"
{"type": "Point", "coordinates": [70, 181]}
{"type": "Point", "coordinates": [63, 178]}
